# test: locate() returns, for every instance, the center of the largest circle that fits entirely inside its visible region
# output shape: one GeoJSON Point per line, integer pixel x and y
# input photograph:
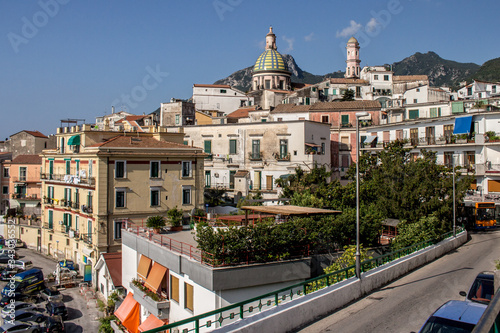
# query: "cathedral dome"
{"type": "Point", "coordinates": [270, 60]}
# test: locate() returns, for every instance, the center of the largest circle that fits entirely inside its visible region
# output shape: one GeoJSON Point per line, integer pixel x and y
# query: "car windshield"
{"type": "Point", "coordinates": [438, 325]}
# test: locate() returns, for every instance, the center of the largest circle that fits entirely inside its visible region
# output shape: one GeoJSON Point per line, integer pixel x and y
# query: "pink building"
{"type": "Point", "coordinates": [24, 184]}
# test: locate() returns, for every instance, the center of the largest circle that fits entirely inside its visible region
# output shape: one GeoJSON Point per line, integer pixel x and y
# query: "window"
{"type": "Point", "coordinates": [223, 91]}
{"type": "Point", "coordinates": [62, 146]}
{"type": "Point", "coordinates": [283, 148]}
{"type": "Point", "coordinates": [325, 119]}
{"type": "Point", "coordinates": [154, 169]}
{"type": "Point", "coordinates": [470, 158]}
{"type": "Point", "coordinates": [186, 169]}
{"type": "Point", "coordinates": [323, 148]}
{"type": "Point", "coordinates": [174, 288]}
{"type": "Point", "coordinates": [177, 119]}
{"type": "Point", "coordinates": [155, 197]}
{"type": "Point", "coordinates": [120, 198]}
{"type": "Point", "coordinates": [375, 77]}
{"type": "Point", "coordinates": [208, 178]}
{"type": "Point", "coordinates": [188, 295]}
{"type": "Point", "coordinates": [448, 158]}
{"type": "Point", "coordinates": [233, 146]}
{"type": "Point", "coordinates": [415, 101]}
{"type": "Point", "coordinates": [386, 77]}
{"type": "Point", "coordinates": [308, 101]}
{"type": "Point", "coordinates": [282, 84]}
{"type": "Point", "coordinates": [6, 172]}
{"type": "Point", "coordinates": [448, 132]}
{"type": "Point", "coordinates": [313, 89]}
{"type": "Point", "coordinates": [414, 136]}
{"type": "Point", "coordinates": [256, 149]}
{"type": "Point", "coordinates": [345, 119]}
{"type": "Point", "coordinates": [77, 198]}
{"type": "Point", "coordinates": [418, 89]}
{"type": "Point", "coordinates": [120, 167]}
{"type": "Point", "coordinates": [68, 167]}
{"type": "Point", "coordinates": [90, 167]}
{"type": "Point", "coordinates": [208, 147]}
{"type": "Point", "coordinates": [50, 193]}
{"type": "Point", "coordinates": [76, 222]}
{"type": "Point", "coordinates": [493, 89]}
{"type": "Point", "coordinates": [89, 230]}
{"type": "Point", "coordinates": [67, 195]}
{"type": "Point", "coordinates": [5, 190]}
{"type": "Point", "coordinates": [51, 219]}
{"type": "Point", "coordinates": [413, 114]}
{"type": "Point", "coordinates": [325, 91]}
{"type": "Point", "coordinates": [433, 112]}
{"type": "Point", "coordinates": [118, 229]}
{"type": "Point", "coordinates": [186, 195]}
{"type": "Point", "coordinates": [22, 173]}
{"type": "Point", "coordinates": [77, 166]}
{"type": "Point", "coordinates": [268, 84]}
{"type": "Point", "coordinates": [469, 91]}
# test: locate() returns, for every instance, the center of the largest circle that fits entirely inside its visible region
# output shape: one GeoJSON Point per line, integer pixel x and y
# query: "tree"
{"type": "Point", "coordinates": [348, 95]}
{"type": "Point", "coordinates": [427, 228]}
{"type": "Point", "coordinates": [175, 216]}
{"type": "Point", "coordinates": [213, 196]}
{"type": "Point", "coordinates": [248, 200]}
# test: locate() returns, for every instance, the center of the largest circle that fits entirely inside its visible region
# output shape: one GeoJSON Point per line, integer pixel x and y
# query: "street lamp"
{"type": "Point", "coordinates": [358, 146]}
{"type": "Point", "coordinates": [454, 209]}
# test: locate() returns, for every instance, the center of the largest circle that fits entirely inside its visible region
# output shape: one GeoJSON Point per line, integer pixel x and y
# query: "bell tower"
{"type": "Point", "coordinates": [352, 69]}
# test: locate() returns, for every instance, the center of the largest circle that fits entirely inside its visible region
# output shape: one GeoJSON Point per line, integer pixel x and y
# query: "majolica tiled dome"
{"type": "Point", "coordinates": [270, 60]}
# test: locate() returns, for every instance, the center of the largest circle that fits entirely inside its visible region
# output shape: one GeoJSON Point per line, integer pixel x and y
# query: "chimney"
{"type": "Point", "coordinates": [112, 110]}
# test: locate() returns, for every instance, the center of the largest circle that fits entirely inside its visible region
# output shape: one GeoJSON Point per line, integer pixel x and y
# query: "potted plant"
{"type": "Point", "coordinates": [175, 216]}
{"type": "Point", "coordinates": [156, 222]}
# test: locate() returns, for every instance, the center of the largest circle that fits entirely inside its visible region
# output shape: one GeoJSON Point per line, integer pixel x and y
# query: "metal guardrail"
{"type": "Point", "coordinates": [241, 309]}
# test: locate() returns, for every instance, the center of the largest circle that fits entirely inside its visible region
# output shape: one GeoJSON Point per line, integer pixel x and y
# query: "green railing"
{"type": "Point", "coordinates": [263, 302]}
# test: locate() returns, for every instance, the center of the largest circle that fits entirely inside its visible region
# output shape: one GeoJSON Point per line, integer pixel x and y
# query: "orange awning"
{"type": "Point", "coordinates": [129, 313]}
{"type": "Point", "coordinates": [143, 268]}
{"type": "Point", "coordinates": [155, 277]}
{"type": "Point", "coordinates": [151, 322]}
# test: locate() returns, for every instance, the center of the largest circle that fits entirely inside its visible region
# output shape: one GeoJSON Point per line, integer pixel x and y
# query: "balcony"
{"type": "Point", "coordinates": [255, 156]}
{"type": "Point", "coordinates": [25, 180]}
{"type": "Point", "coordinates": [25, 196]}
{"type": "Point", "coordinates": [160, 308]}
{"type": "Point", "coordinates": [68, 179]}
{"type": "Point", "coordinates": [280, 157]}
{"type": "Point", "coordinates": [87, 209]}
{"type": "Point", "coordinates": [87, 238]}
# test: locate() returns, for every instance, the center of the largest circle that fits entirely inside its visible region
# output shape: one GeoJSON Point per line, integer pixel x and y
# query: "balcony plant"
{"type": "Point", "coordinates": [156, 222]}
{"type": "Point", "coordinates": [175, 217]}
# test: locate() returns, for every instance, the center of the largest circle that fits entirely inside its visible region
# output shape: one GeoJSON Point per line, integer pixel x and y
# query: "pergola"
{"type": "Point", "coordinates": [287, 211]}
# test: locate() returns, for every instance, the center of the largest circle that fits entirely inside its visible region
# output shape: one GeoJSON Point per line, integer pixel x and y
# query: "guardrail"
{"type": "Point", "coordinates": [263, 302]}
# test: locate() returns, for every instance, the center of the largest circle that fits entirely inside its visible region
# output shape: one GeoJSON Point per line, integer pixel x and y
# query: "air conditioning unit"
{"type": "Point", "coordinates": [61, 222]}
{"type": "Point", "coordinates": [216, 175]}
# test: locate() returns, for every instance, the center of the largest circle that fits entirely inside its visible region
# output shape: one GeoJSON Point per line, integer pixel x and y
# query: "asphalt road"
{"type": "Point", "coordinates": [82, 315]}
{"type": "Point", "coordinates": [404, 305]}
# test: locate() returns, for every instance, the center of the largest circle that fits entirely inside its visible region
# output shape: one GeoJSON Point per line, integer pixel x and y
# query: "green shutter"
{"type": "Point", "coordinates": [457, 107]}
{"type": "Point", "coordinates": [434, 112]}
{"type": "Point", "coordinates": [51, 219]}
{"type": "Point", "coordinates": [208, 146]}
{"type": "Point", "coordinates": [232, 146]}
{"type": "Point", "coordinates": [413, 114]}
{"type": "Point", "coordinates": [345, 119]}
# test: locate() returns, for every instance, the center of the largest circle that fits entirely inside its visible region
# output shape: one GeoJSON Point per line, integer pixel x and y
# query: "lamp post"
{"type": "Point", "coordinates": [454, 210]}
{"type": "Point", "coordinates": [358, 146]}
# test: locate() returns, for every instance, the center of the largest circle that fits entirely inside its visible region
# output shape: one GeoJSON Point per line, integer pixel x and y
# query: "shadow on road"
{"type": "Point", "coordinates": [72, 328]}
{"type": "Point", "coordinates": [67, 298]}
{"type": "Point", "coordinates": [427, 278]}
{"type": "Point", "coordinates": [74, 314]}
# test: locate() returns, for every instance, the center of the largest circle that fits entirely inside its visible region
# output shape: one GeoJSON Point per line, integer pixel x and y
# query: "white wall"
{"type": "Point", "coordinates": [130, 261]}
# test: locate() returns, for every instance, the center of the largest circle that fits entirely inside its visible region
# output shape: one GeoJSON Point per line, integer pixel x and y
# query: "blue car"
{"type": "Point", "coordinates": [454, 316]}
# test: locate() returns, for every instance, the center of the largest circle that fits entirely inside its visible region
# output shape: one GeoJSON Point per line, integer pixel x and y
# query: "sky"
{"type": "Point", "coordinates": [74, 59]}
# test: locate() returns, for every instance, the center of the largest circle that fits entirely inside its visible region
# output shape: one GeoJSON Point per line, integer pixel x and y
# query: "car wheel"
{"type": "Point", "coordinates": [35, 331]}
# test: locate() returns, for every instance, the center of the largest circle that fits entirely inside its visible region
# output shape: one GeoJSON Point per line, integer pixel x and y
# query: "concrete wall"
{"type": "Point", "coordinates": [303, 310]}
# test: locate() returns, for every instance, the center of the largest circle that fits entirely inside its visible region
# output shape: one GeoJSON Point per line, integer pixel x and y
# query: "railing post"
{"type": "Point", "coordinates": [197, 326]}
{"type": "Point", "coordinates": [241, 311]}
{"type": "Point", "coordinates": [276, 299]}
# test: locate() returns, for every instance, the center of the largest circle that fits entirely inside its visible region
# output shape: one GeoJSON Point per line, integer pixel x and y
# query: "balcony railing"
{"type": "Point", "coordinates": [25, 196]}
{"type": "Point", "coordinates": [159, 308]}
{"type": "Point", "coordinates": [425, 141]}
{"type": "Point", "coordinates": [25, 180]}
{"type": "Point", "coordinates": [87, 238]}
{"type": "Point", "coordinates": [69, 179]}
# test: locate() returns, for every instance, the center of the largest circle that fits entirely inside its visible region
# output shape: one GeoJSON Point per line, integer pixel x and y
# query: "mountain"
{"type": "Point", "coordinates": [489, 71]}
{"type": "Point", "coordinates": [242, 79]}
{"type": "Point", "coordinates": [441, 72]}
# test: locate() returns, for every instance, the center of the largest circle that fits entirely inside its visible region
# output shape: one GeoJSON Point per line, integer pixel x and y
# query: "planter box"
{"type": "Point", "coordinates": [160, 309]}
{"type": "Point", "coordinates": [461, 140]}
{"type": "Point", "coordinates": [116, 328]}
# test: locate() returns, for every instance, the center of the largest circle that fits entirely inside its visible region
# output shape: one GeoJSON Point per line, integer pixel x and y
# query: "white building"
{"type": "Point", "coordinates": [479, 89]}
{"type": "Point", "coordinates": [219, 97]}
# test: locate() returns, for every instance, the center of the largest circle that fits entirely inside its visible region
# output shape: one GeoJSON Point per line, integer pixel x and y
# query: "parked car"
{"type": "Point", "coordinates": [19, 326]}
{"type": "Point", "coordinates": [16, 297]}
{"type": "Point", "coordinates": [454, 316]}
{"type": "Point", "coordinates": [53, 324]}
{"type": "Point", "coordinates": [23, 264]}
{"type": "Point", "coordinates": [7, 273]}
{"type": "Point", "coordinates": [15, 242]}
{"type": "Point", "coordinates": [9, 310]}
{"type": "Point", "coordinates": [65, 271]}
{"type": "Point", "coordinates": [5, 257]}
{"type": "Point", "coordinates": [482, 289]}
{"type": "Point", "coordinates": [57, 308]}
{"type": "Point", "coordinates": [51, 295]}
{"type": "Point", "coordinates": [29, 316]}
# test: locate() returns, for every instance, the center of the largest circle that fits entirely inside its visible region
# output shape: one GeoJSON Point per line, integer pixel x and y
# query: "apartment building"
{"type": "Point", "coordinates": [97, 181]}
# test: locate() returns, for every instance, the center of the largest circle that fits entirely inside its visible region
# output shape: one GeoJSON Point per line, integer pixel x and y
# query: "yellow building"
{"type": "Point", "coordinates": [97, 182]}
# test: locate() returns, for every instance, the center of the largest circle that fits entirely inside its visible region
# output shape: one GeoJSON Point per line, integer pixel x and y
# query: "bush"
{"type": "Point", "coordinates": [155, 222]}
{"type": "Point", "coordinates": [427, 228]}
{"type": "Point", "coordinates": [105, 324]}
{"type": "Point", "coordinates": [175, 216]}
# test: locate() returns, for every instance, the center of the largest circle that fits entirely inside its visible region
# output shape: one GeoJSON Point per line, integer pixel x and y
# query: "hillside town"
{"type": "Point", "coordinates": [86, 193]}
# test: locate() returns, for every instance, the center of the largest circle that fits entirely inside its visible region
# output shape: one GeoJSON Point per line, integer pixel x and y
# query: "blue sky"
{"type": "Point", "coordinates": [75, 59]}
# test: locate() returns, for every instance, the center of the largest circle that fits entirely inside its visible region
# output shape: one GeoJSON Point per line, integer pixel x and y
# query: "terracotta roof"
{"type": "Point", "coordinates": [347, 81]}
{"type": "Point", "coordinates": [138, 142]}
{"type": "Point", "coordinates": [406, 78]}
{"type": "Point", "coordinates": [114, 264]}
{"type": "Point", "coordinates": [290, 108]}
{"type": "Point", "coordinates": [34, 133]}
{"type": "Point", "coordinates": [241, 173]}
{"type": "Point", "coordinates": [131, 118]}
{"type": "Point", "coordinates": [280, 91]}
{"type": "Point", "coordinates": [212, 85]}
{"type": "Point", "coordinates": [27, 159]}
{"type": "Point", "coordinates": [345, 105]}
{"type": "Point", "coordinates": [296, 85]}
{"type": "Point", "coordinates": [241, 113]}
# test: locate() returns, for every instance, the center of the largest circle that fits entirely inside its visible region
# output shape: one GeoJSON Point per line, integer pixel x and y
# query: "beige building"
{"type": "Point", "coordinates": [96, 182]}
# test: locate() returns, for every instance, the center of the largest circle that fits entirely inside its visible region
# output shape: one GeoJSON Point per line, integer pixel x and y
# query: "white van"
{"type": "Point", "coordinates": [23, 264]}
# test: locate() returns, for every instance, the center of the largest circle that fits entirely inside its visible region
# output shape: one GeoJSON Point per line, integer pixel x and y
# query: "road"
{"type": "Point", "coordinates": [81, 317]}
{"type": "Point", "coordinates": [404, 305]}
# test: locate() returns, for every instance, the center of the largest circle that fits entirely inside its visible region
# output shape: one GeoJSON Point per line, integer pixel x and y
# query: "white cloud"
{"type": "Point", "coordinates": [309, 37]}
{"type": "Point", "coordinates": [371, 25]}
{"type": "Point", "coordinates": [350, 30]}
{"type": "Point", "coordinates": [290, 42]}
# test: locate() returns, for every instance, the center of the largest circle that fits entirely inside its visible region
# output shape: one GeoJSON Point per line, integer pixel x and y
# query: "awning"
{"type": "Point", "coordinates": [143, 268]}
{"type": "Point", "coordinates": [74, 140]}
{"type": "Point", "coordinates": [313, 145]}
{"type": "Point", "coordinates": [155, 277]}
{"type": "Point", "coordinates": [285, 176]}
{"type": "Point", "coordinates": [129, 313]}
{"type": "Point", "coordinates": [462, 125]}
{"type": "Point", "coordinates": [151, 323]}
{"type": "Point", "coordinates": [369, 139]}
{"type": "Point", "coordinates": [87, 252]}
